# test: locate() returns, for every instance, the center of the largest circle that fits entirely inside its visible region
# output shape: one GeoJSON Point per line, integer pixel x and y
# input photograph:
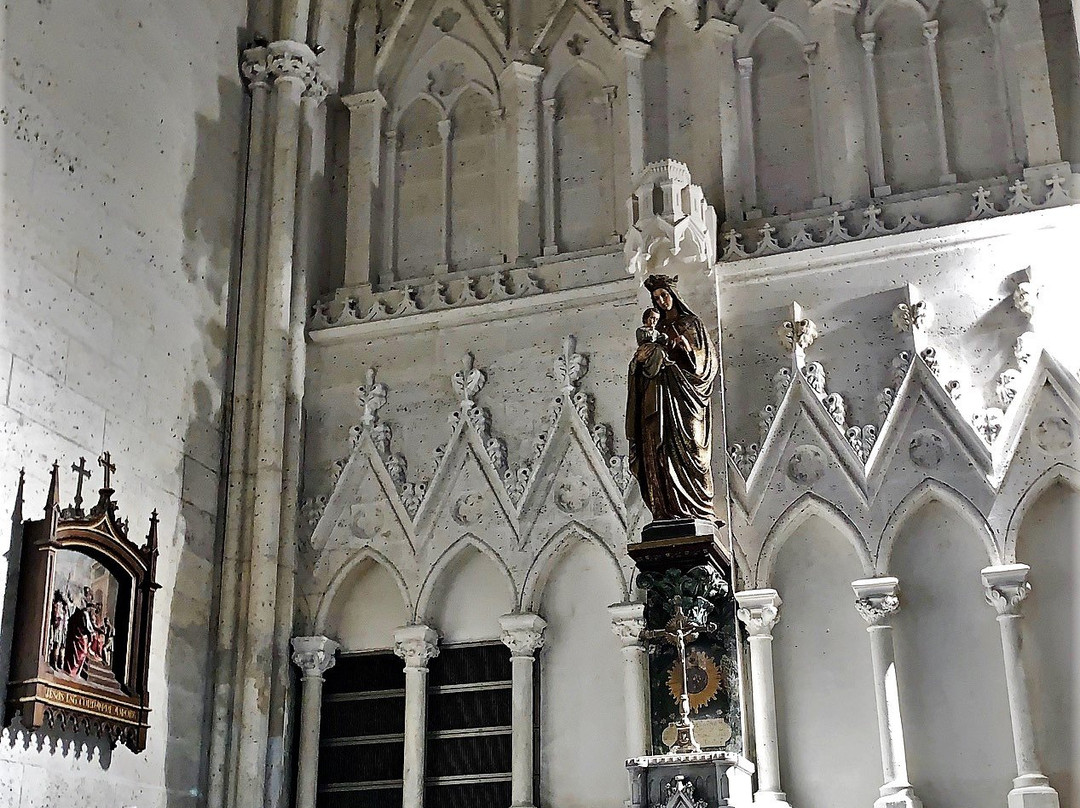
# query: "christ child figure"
{"type": "Point", "coordinates": [651, 342]}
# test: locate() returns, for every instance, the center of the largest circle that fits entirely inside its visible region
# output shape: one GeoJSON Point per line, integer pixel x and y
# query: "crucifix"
{"type": "Point", "coordinates": [81, 473]}
{"type": "Point", "coordinates": [105, 461]}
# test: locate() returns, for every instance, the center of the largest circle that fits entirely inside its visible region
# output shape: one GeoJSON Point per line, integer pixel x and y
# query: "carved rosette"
{"type": "Point", "coordinates": [314, 656]}
{"type": "Point", "coordinates": [1006, 587]}
{"type": "Point", "coordinates": [522, 633]}
{"type": "Point", "coordinates": [759, 610]}
{"type": "Point", "coordinates": [417, 645]}
{"type": "Point", "coordinates": [628, 623]}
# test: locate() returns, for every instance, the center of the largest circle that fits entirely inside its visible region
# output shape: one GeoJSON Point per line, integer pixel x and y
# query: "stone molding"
{"type": "Point", "coordinates": [522, 633]}
{"type": "Point", "coordinates": [877, 599]}
{"type": "Point", "coordinates": [314, 656]}
{"type": "Point", "coordinates": [1007, 586]}
{"type": "Point", "coordinates": [759, 610]}
{"type": "Point", "coordinates": [417, 645]}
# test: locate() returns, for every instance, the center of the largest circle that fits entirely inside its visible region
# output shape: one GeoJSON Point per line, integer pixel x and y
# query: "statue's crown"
{"type": "Point", "coordinates": [654, 282]}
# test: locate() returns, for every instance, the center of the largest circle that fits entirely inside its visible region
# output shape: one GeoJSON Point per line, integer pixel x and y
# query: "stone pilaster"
{"type": "Point", "coordinates": [365, 137]}
{"type": "Point", "coordinates": [314, 656]}
{"type": "Point", "coordinates": [759, 610]}
{"type": "Point", "coordinates": [523, 634]}
{"type": "Point", "coordinates": [628, 623]}
{"type": "Point", "coordinates": [875, 158]}
{"type": "Point", "coordinates": [877, 600]}
{"type": "Point", "coordinates": [416, 645]}
{"type": "Point", "coordinates": [937, 108]}
{"type": "Point", "coordinates": [747, 154]}
{"type": "Point", "coordinates": [524, 164]}
{"type": "Point", "coordinates": [1007, 586]}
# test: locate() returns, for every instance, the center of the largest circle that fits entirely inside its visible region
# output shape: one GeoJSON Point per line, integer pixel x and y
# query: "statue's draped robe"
{"type": "Point", "coordinates": [669, 420]}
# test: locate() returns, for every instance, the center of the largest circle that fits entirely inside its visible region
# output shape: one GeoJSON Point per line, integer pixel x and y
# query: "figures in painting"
{"type": "Point", "coordinates": [80, 632]}
{"type": "Point", "coordinates": [58, 620]}
{"type": "Point", "coordinates": [669, 407]}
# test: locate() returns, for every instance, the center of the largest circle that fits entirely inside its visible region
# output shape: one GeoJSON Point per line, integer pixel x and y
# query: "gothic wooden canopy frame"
{"type": "Point", "coordinates": [81, 647]}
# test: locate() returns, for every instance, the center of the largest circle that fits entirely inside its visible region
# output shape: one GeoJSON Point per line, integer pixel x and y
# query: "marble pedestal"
{"type": "Point", "coordinates": [702, 780]}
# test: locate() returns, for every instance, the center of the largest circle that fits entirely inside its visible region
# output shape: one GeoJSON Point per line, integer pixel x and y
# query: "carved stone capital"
{"type": "Point", "coordinates": [417, 645]}
{"type": "Point", "coordinates": [930, 31]}
{"type": "Point", "coordinates": [371, 99]}
{"type": "Point", "coordinates": [759, 609]}
{"type": "Point", "coordinates": [522, 633]}
{"type": "Point", "coordinates": [869, 41]}
{"type": "Point", "coordinates": [1006, 587]}
{"type": "Point", "coordinates": [628, 623]}
{"type": "Point", "coordinates": [877, 599]}
{"type": "Point", "coordinates": [254, 67]}
{"type": "Point", "coordinates": [745, 66]}
{"type": "Point", "coordinates": [313, 655]}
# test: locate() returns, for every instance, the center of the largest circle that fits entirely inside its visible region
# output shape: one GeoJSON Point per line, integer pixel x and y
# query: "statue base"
{"type": "Point", "coordinates": [698, 780]}
{"type": "Point", "coordinates": [681, 544]}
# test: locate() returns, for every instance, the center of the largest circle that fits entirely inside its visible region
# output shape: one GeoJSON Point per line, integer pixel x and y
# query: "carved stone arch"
{"type": "Point", "coordinates": [553, 77]}
{"type": "Point", "coordinates": [399, 112]}
{"type": "Point", "coordinates": [546, 560]}
{"type": "Point", "coordinates": [432, 580]}
{"type": "Point", "coordinates": [930, 490]}
{"type": "Point", "coordinates": [443, 70]}
{"type": "Point", "coordinates": [744, 42]}
{"type": "Point", "coordinates": [1058, 473]}
{"type": "Point", "coordinates": [363, 554]}
{"type": "Point", "coordinates": [872, 10]}
{"type": "Point", "coordinates": [809, 504]}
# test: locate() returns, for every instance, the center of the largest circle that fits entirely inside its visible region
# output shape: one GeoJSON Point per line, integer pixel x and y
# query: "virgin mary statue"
{"type": "Point", "coordinates": [669, 408]}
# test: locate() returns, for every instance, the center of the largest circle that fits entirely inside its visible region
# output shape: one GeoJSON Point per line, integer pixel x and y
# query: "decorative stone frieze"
{"type": "Point", "coordinates": [784, 234]}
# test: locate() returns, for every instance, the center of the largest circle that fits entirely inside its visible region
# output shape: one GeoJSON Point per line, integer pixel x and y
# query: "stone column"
{"type": "Point", "coordinates": [1006, 587]}
{"type": "Point", "coordinates": [365, 137]}
{"type": "Point", "coordinates": [417, 645]}
{"type": "Point", "coordinates": [523, 634]}
{"type": "Point", "coordinates": [875, 160]}
{"type": "Point", "coordinates": [628, 623]}
{"type": "Point", "coordinates": [810, 54]}
{"type": "Point", "coordinates": [930, 32]}
{"type": "Point", "coordinates": [388, 266]}
{"type": "Point", "coordinates": [616, 231]}
{"type": "Point", "coordinates": [314, 656]}
{"type": "Point", "coordinates": [551, 245]}
{"type": "Point", "coordinates": [759, 609]}
{"type": "Point", "coordinates": [524, 161]}
{"type": "Point", "coordinates": [877, 599]}
{"type": "Point", "coordinates": [746, 138]}
{"type": "Point", "coordinates": [446, 128]}
{"type": "Point", "coordinates": [244, 730]}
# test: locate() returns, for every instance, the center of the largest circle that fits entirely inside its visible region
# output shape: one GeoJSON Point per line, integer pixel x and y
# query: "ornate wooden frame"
{"type": "Point", "coordinates": [115, 705]}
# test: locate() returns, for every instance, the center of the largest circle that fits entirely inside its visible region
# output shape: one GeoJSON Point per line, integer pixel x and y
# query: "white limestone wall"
{"type": "Point", "coordinates": [121, 125]}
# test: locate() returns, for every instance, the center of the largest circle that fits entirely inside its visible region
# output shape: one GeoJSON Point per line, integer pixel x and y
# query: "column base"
{"type": "Point", "coordinates": [904, 798]}
{"type": "Point", "coordinates": [1032, 791]}
{"type": "Point", "coordinates": [773, 799]}
{"type": "Point", "coordinates": [881, 191]}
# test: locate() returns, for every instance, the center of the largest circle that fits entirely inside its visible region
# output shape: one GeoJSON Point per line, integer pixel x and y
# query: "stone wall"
{"type": "Point", "coordinates": [121, 130]}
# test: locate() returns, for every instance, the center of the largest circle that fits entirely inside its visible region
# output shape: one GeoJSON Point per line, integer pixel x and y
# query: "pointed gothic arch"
{"type": "Point", "coordinates": [930, 490]}
{"type": "Point", "coordinates": [809, 504]}
{"type": "Point", "coordinates": [551, 553]}
{"type": "Point", "coordinates": [1058, 473]}
{"type": "Point", "coordinates": [433, 580]}
{"type": "Point", "coordinates": [343, 575]}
